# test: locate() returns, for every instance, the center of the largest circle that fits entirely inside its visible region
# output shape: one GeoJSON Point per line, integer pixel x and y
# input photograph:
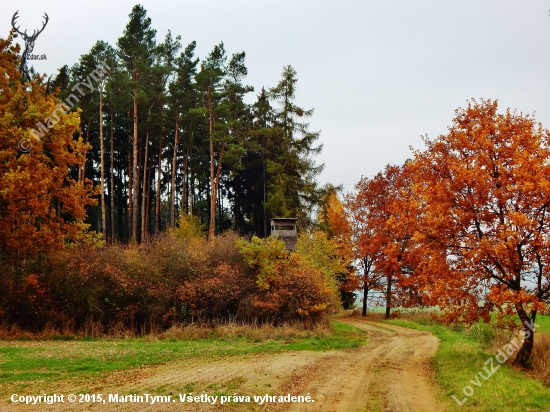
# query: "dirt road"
{"type": "Point", "coordinates": [389, 374]}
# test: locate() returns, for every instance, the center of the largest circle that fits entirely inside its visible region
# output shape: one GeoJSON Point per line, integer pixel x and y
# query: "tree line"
{"type": "Point", "coordinates": [145, 139]}
{"type": "Point", "coordinates": [171, 135]}
{"type": "Point", "coordinates": [463, 225]}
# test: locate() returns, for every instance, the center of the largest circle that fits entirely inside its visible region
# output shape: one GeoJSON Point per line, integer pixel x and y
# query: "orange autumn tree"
{"type": "Point", "coordinates": [367, 251]}
{"type": "Point", "coordinates": [483, 197]}
{"type": "Point", "coordinates": [339, 228]}
{"type": "Point", "coordinates": [40, 205]}
{"type": "Point", "coordinates": [383, 226]}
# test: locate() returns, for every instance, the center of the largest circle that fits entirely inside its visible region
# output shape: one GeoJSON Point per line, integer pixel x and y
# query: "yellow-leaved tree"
{"type": "Point", "coordinates": [41, 205]}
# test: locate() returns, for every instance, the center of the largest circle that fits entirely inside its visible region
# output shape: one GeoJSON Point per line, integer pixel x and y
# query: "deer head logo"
{"type": "Point", "coordinates": [29, 44]}
{"type": "Point", "coordinates": [29, 40]}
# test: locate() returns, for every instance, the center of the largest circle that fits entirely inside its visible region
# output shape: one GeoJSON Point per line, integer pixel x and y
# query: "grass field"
{"type": "Point", "coordinates": [464, 353]}
{"type": "Point", "coordinates": [31, 366]}
{"type": "Point", "coordinates": [40, 363]}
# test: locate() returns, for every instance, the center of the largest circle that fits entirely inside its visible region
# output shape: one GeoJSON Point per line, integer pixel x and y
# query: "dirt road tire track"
{"type": "Point", "coordinates": [388, 374]}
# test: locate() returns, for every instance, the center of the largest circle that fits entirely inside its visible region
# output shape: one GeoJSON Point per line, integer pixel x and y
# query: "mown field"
{"type": "Point", "coordinates": [32, 366]}
{"type": "Point", "coordinates": [49, 365]}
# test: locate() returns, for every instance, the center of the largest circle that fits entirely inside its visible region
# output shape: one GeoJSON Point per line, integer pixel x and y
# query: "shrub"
{"type": "Point", "coordinates": [289, 285]}
{"type": "Point", "coordinates": [174, 279]}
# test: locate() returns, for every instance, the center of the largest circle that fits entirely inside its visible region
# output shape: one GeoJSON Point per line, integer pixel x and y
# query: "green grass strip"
{"type": "Point", "coordinates": [53, 360]}
{"type": "Point", "coordinates": [460, 359]}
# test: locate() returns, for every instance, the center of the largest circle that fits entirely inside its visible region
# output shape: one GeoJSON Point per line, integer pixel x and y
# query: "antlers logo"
{"type": "Point", "coordinates": [29, 41]}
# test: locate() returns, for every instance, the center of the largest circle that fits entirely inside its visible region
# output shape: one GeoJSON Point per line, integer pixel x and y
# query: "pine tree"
{"type": "Point", "coordinates": [182, 100]}
{"type": "Point", "coordinates": [292, 186]}
{"type": "Point", "coordinates": [136, 50]}
{"type": "Point", "coordinates": [104, 56]}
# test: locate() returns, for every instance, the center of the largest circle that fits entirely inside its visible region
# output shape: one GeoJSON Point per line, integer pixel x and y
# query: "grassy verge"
{"type": "Point", "coordinates": [464, 354]}
{"type": "Point", "coordinates": [23, 362]}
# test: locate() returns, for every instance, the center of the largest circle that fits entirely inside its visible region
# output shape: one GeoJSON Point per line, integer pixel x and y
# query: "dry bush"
{"type": "Point", "coordinates": [255, 332]}
{"type": "Point", "coordinates": [541, 358]}
{"type": "Point", "coordinates": [177, 279]}
{"type": "Point", "coordinates": [12, 332]}
{"type": "Point", "coordinates": [216, 294]}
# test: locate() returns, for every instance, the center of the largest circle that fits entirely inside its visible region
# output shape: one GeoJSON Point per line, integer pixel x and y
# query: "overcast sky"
{"type": "Point", "coordinates": [379, 73]}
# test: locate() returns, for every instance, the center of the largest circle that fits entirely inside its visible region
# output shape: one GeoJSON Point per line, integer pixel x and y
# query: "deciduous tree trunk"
{"type": "Point", "coordinates": [528, 322]}
{"type": "Point", "coordinates": [365, 295]}
{"type": "Point", "coordinates": [388, 296]}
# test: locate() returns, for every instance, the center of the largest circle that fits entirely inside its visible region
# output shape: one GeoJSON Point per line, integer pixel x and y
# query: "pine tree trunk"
{"type": "Point", "coordinates": [102, 168]}
{"type": "Point", "coordinates": [157, 194]}
{"type": "Point", "coordinates": [140, 168]}
{"type": "Point", "coordinates": [220, 207]}
{"type": "Point", "coordinates": [185, 191]}
{"type": "Point", "coordinates": [191, 191]}
{"type": "Point", "coordinates": [130, 187]}
{"type": "Point", "coordinates": [144, 188]}
{"type": "Point", "coordinates": [149, 185]}
{"type": "Point", "coordinates": [217, 177]}
{"type": "Point", "coordinates": [81, 136]}
{"type": "Point", "coordinates": [158, 205]}
{"type": "Point", "coordinates": [173, 181]}
{"type": "Point", "coordinates": [82, 171]}
{"type": "Point", "coordinates": [121, 207]}
{"type": "Point", "coordinates": [112, 190]}
{"type": "Point", "coordinates": [212, 220]}
{"type": "Point", "coordinates": [135, 167]}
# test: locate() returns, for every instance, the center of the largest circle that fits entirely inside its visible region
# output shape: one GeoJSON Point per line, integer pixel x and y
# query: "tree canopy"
{"type": "Point", "coordinates": [41, 205]}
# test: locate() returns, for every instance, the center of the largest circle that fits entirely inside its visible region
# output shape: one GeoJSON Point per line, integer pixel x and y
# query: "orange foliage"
{"type": "Point", "coordinates": [297, 289]}
{"type": "Point", "coordinates": [340, 228]}
{"type": "Point", "coordinates": [40, 204]}
{"type": "Point", "coordinates": [383, 227]}
{"type": "Point", "coordinates": [216, 295]}
{"type": "Point", "coordinates": [483, 197]}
